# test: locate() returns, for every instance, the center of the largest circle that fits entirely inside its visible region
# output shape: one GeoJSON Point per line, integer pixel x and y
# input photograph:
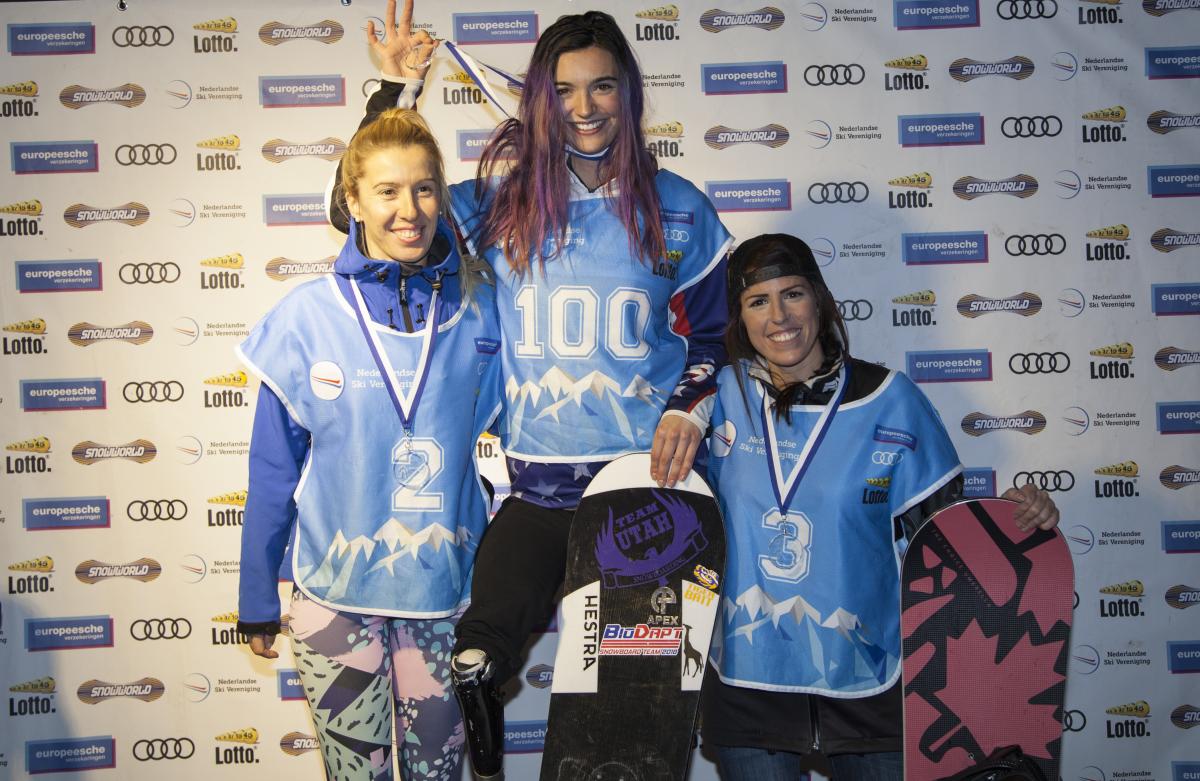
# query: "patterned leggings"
{"type": "Point", "coordinates": [357, 671]}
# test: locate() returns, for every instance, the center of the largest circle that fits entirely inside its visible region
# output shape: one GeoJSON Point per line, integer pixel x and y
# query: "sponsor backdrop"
{"type": "Point", "coordinates": [1003, 193]}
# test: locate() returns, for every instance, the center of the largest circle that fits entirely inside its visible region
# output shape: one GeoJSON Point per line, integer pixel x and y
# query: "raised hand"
{"type": "Point", "coordinates": [404, 54]}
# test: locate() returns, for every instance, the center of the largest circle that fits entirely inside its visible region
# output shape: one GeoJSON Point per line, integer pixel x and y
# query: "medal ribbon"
{"type": "Point", "coordinates": [478, 72]}
{"type": "Point", "coordinates": [406, 406]}
{"type": "Point", "coordinates": [785, 489]}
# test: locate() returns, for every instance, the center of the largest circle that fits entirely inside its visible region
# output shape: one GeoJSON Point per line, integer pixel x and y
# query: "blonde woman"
{"type": "Point", "coordinates": [376, 382]}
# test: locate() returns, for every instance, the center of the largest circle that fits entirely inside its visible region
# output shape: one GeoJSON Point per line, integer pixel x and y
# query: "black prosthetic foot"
{"type": "Point", "coordinates": [473, 676]}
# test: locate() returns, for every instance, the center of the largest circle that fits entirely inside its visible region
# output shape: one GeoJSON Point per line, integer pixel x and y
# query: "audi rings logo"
{"type": "Point", "coordinates": [153, 390]}
{"type": "Point", "coordinates": [1050, 481]}
{"type": "Point", "coordinates": [834, 75]}
{"type": "Point", "coordinates": [145, 154]}
{"type": "Point", "coordinates": [163, 748]}
{"type": "Point", "coordinates": [160, 629]}
{"type": "Point", "coordinates": [838, 192]}
{"type": "Point", "coordinates": [1035, 244]}
{"type": "Point", "coordinates": [137, 37]}
{"type": "Point", "coordinates": [674, 234]}
{"type": "Point", "coordinates": [855, 309]}
{"type": "Point", "coordinates": [886, 458]}
{"type": "Point", "coordinates": [148, 273]}
{"type": "Point", "coordinates": [1046, 126]}
{"type": "Point", "coordinates": [156, 510]}
{"type": "Point", "coordinates": [1026, 9]}
{"type": "Point", "coordinates": [1074, 720]}
{"type": "Point", "coordinates": [1039, 363]}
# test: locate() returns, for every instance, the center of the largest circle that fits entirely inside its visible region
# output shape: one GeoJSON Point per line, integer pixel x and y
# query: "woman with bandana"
{"type": "Point", "coordinates": [822, 465]}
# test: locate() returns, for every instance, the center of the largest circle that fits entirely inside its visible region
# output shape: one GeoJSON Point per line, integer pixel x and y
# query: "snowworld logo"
{"type": "Point", "coordinates": [716, 20]}
{"type": "Point", "coordinates": [280, 269]}
{"type": "Point", "coordinates": [1175, 478]}
{"type": "Point", "coordinates": [143, 570]}
{"type": "Point", "coordinates": [326, 31]}
{"type": "Point", "coordinates": [88, 452]}
{"type": "Point", "coordinates": [1171, 358]}
{"type": "Point", "coordinates": [1020, 186]}
{"type": "Point", "coordinates": [1025, 304]}
{"type": "Point", "coordinates": [965, 69]}
{"type": "Point", "coordinates": [1163, 122]}
{"type": "Point", "coordinates": [329, 148]}
{"type": "Point", "coordinates": [94, 691]}
{"type": "Point", "coordinates": [721, 137]}
{"type": "Point", "coordinates": [1169, 239]}
{"type": "Point", "coordinates": [976, 424]}
{"type": "Point", "coordinates": [85, 334]}
{"type": "Point", "coordinates": [128, 95]}
{"type": "Point", "coordinates": [81, 215]}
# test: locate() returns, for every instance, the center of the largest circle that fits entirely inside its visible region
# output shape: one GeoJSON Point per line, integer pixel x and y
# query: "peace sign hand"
{"type": "Point", "coordinates": [403, 54]}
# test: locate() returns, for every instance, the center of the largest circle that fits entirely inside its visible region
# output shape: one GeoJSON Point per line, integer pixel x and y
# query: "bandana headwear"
{"type": "Point", "coordinates": [766, 257]}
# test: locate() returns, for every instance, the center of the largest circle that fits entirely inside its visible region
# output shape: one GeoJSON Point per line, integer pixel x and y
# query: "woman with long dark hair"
{"type": "Point", "coordinates": [610, 292]}
{"type": "Point", "coordinates": [800, 429]}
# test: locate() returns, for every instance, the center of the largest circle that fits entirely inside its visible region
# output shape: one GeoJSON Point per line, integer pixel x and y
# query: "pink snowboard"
{"type": "Point", "coordinates": [986, 624]}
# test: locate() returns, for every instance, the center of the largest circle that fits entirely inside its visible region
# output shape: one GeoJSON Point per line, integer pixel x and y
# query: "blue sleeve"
{"type": "Point", "coordinates": [278, 449]}
{"type": "Point", "coordinates": [699, 315]}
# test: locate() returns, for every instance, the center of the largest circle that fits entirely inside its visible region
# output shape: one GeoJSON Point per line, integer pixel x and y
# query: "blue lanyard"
{"type": "Point", "coordinates": [785, 487]}
{"type": "Point", "coordinates": [406, 406]}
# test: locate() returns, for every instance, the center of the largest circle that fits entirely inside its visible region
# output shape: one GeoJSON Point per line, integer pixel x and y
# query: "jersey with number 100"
{"type": "Point", "coordinates": [589, 355]}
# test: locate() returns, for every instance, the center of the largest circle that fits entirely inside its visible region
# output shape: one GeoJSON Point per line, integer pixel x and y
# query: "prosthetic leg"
{"type": "Point", "coordinates": [473, 676]}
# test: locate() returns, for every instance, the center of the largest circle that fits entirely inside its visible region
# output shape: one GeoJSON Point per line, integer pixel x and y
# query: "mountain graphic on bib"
{"type": "Point", "coordinates": [595, 392]}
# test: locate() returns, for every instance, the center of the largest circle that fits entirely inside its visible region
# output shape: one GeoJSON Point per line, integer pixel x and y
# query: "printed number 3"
{"type": "Point", "coordinates": [574, 323]}
{"type": "Point", "coordinates": [788, 556]}
{"type": "Point", "coordinates": [415, 464]}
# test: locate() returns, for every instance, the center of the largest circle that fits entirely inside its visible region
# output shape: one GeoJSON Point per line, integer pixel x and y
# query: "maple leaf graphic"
{"type": "Point", "coordinates": [987, 694]}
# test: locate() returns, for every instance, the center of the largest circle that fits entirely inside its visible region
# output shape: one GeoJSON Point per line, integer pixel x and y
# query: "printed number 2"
{"type": "Point", "coordinates": [574, 324]}
{"type": "Point", "coordinates": [789, 556]}
{"type": "Point", "coordinates": [414, 465]}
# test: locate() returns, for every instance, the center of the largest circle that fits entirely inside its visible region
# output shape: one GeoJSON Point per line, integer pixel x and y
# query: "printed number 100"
{"type": "Point", "coordinates": [575, 326]}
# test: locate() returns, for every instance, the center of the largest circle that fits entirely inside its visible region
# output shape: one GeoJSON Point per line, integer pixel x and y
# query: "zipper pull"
{"type": "Point", "coordinates": [404, 291]}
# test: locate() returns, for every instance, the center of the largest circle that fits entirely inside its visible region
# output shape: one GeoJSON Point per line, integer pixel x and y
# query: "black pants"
{"type": "Point", "coordinates": [518, 570]}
